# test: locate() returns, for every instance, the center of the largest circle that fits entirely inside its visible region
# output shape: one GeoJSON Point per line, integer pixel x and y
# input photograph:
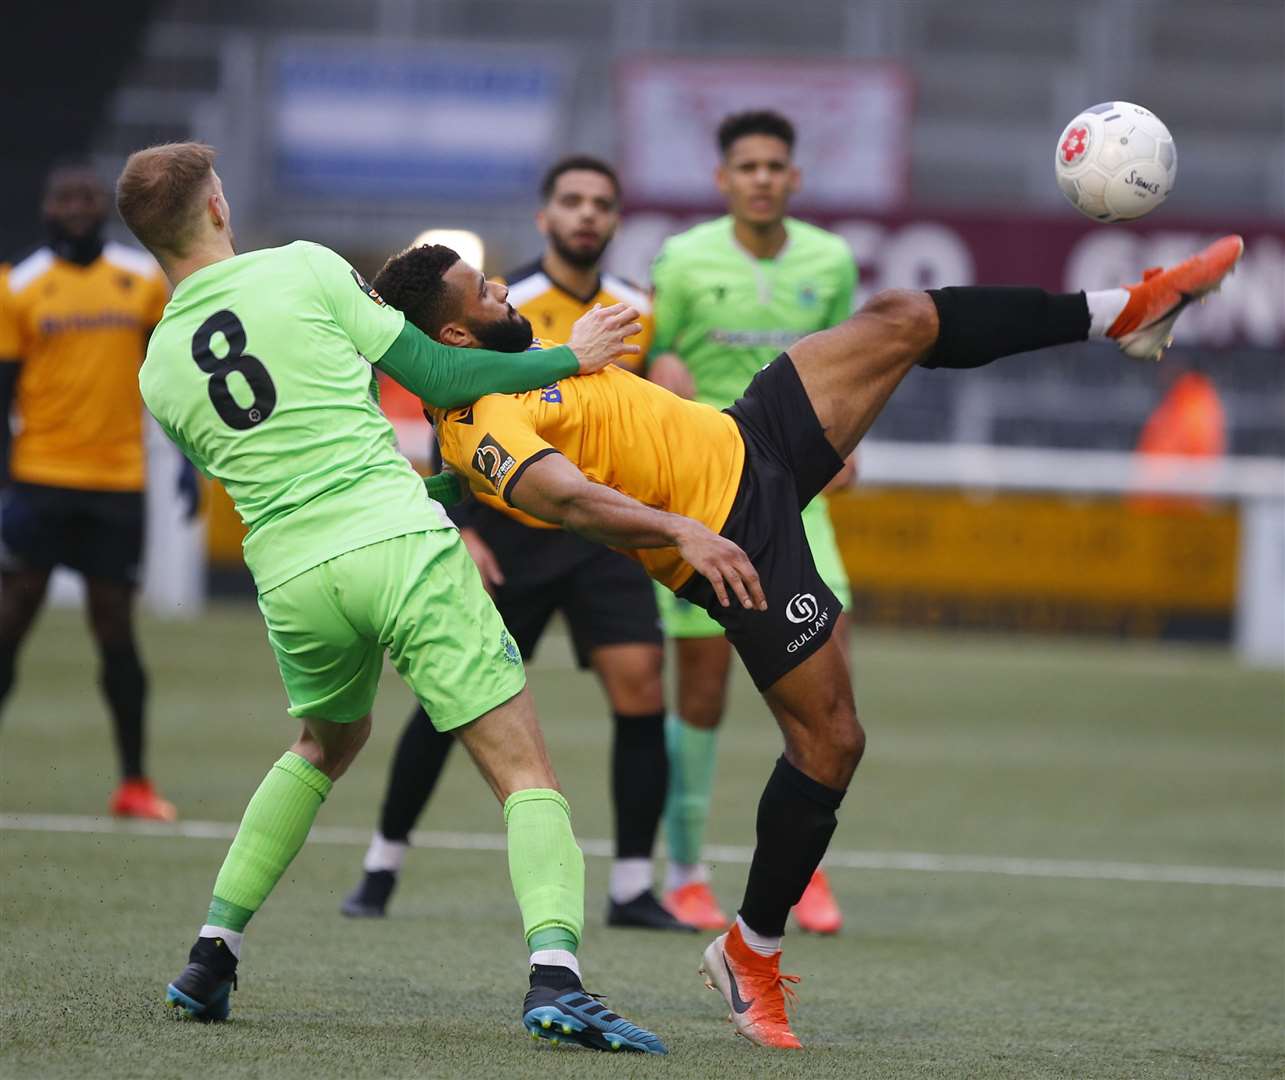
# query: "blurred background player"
{"type": "Point", "coordinates": [730, 295]}
{"type": "Point", "coordinates": [534, 570]}
{"type": "Point", "coordinates": [75, 316]}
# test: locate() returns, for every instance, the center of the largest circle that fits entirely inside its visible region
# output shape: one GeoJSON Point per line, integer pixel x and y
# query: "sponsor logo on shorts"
{"type": "Point", "coordinates": [493, 461]}
{"type": "Point", "coordinates": [511, 653]}
{"type": "Point", "coordinates": [803, 610]}
{"type": "Point", "coordinates": [367, 288]}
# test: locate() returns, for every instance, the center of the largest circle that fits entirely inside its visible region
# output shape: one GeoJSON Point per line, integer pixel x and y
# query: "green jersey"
{"type": "Point", "coordinates": [727, 314]}
{"type": "Point", "coordinates": [260, 371]}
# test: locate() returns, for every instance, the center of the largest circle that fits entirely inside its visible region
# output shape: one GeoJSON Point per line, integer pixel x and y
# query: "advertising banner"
{"type": "Point", "coordinates": [853, 120]}
{"type": "Point", "coordinates": [368, 121]}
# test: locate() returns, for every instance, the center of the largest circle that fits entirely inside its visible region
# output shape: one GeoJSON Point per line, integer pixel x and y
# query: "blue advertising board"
{"type": "Point", "coordinates": [401, 122]}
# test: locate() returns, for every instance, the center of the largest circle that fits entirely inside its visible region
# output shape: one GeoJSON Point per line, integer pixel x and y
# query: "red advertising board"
{"type": "Point", "coordinates": [1057, 251]}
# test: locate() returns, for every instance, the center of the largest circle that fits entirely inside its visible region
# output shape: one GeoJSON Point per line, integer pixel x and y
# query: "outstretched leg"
{"type": "Point", "coordinates": [850, 370]}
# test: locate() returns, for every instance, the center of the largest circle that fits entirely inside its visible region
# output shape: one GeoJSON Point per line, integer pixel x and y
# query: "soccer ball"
{"type": "Point", "coordinates": [1116, 161]}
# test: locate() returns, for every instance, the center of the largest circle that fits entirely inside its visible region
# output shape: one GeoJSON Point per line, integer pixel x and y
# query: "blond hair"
{"type": "Point", "coordinates": [159, 194]}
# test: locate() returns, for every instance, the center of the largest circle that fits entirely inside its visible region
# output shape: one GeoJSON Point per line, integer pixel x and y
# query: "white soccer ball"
{"type": "Point", "coordinates": [1116, 161]}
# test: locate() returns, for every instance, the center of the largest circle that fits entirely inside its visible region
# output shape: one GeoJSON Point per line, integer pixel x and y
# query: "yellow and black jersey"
{"type": "Point", "coordinates": [621, 431]}
{"type": "Point", "coordinates": [552, 309]}
{"type": "Point", "coordinates": [79, 333]}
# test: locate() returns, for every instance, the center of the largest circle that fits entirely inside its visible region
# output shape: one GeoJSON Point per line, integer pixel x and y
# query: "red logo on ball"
{"type": "Point", "coordinates": [1075, 144]}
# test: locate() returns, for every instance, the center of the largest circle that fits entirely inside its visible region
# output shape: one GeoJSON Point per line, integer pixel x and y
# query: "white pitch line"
{"type": "Point", "coordinates": [846, 860]}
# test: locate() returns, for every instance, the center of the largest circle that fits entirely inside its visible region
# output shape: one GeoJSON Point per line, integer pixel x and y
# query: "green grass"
{"type": "Point", "coordinates": [984, 746]}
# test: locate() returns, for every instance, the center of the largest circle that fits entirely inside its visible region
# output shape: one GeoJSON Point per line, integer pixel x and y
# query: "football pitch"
{"type": "Point", "coordinates": [1057, 860]}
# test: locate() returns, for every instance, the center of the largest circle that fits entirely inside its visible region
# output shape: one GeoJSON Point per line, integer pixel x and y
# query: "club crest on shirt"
{"type": "Point", "coordinates": [366, 287]}
{"type": "Point", "coordinates": [492, 461]}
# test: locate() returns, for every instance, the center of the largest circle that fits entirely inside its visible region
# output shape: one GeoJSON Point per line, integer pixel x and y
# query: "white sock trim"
{"type": "Point", "coordinates": [764, 946]}
{"type": "Point", "coordinates": [1104, 308]}
{"type": "Point", "coordinates": [231, 938]}
{"type": "Point", "coordinates": [385, 854]}
{"type": "Point", "coordinates": [679, 874]}
{"type": "Point", "coordinates": [556, 958]}
{"type": "Point", "coordinates": [630, 878]}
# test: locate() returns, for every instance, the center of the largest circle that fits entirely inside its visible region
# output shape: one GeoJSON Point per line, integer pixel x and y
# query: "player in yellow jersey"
{"type": "Point", "coordinates": [75, 315]}
{"type": "Point", "coordinates": [535, 571]}
{"type": "Point", "coordinates": [616, 459]}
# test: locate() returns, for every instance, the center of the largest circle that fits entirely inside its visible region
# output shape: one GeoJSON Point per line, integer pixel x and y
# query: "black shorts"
{"type": "Point", "coordinates": [607, 598]}
{"type": "Point", "coordinates": [787, 462]}
{"type": "Point", "coordinates": [97, 533]}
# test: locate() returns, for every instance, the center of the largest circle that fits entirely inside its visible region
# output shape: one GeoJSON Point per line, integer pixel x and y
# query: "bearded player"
{"type": "Point", "coordinates": [534, 571]}
{"type": "Point", "coordinates": [573, 458]}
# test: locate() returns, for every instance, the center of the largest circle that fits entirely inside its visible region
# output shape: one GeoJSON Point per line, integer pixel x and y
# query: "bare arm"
{"type": "Point", "coordinates": [554, 490]}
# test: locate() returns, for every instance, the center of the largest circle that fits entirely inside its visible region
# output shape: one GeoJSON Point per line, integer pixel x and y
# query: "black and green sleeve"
{"type": "Point", "coordinates": [447, 377]}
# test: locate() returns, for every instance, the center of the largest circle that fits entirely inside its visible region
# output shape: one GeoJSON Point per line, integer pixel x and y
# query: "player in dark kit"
{"type": "Point", "coordinates": [615, 458]}
{"type": "Point", "coordinates": [75, 315]}
{"type": "Point", "coordinates": [534, 571]}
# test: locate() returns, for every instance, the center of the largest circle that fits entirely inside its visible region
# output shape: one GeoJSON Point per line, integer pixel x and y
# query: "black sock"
{"type": "Point", "coordinates": [639, 781]}
{"type": "Point", "coordinates": [795, 822]}
{"type": "Point", "coordinates": [979, 324]}
{"type": "Point", "coordinates": [421, 753]}
{"type": "Point", "coordinates": [124, 685]}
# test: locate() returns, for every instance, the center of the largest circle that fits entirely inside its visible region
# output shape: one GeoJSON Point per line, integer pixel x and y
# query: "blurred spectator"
{"type": "Point", "coordinates": [75, 315]}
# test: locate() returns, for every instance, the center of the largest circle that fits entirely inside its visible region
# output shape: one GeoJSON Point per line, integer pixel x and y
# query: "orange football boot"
{"type": "Point", "coordinates": [695, 905]}
{"type": "Point", "coordinates": [817, 911]}
{"type": "Point", "coordinates": [754, 989]}
{"type": "Point", "coordinates": [138, 799]}
{"type": "Point", "coordinates": [1144, 329]}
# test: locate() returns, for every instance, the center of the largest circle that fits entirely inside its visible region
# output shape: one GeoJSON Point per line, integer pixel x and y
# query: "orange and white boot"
{"type": "Point", "coordinates": [696, 905]}
{"type": "Point", "coordinates": [817, 911]}
{"type": "Point", "coordinates": [1144, 329]}
{"type": "Point", "coordinates": [137, 798]}
{"type": "Point", "coordinates": [754, 989]}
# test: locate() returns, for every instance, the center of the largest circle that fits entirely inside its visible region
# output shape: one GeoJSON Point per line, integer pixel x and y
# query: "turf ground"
{"type": "Point", "coordinates": [1093, 763]}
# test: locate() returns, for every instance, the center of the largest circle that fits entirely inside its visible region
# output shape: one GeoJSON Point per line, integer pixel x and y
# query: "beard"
{"type": "Point", "coordinates": [582, 259]}
{"type": "Point", "coordinates": [510, 334]}
{"type": "Point", "coordinates": [81, 248]}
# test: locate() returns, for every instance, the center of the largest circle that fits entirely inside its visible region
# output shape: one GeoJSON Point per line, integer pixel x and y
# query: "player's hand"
{"type": "Point", "coordinates": [482, 555]}
{"type": "Point", "coordinates": [598, 336]}
{"type": "Point", "coordinates": [669, 371]}
{"type": "Point", "coordinates": [724, 565]}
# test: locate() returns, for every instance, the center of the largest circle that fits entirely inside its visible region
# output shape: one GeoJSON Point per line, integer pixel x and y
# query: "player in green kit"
{"type": "Point", "coordinates": [261, 372]}
{"type": "Point", "coordinates": [730, 295]}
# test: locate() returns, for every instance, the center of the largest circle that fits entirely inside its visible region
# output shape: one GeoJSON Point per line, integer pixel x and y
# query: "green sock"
{"type": "Point", "coordinates": [274, 827]}
{"type": "Point", "coordinates": [691, 782]}
{"type": "Point", "coordinates": [547, 868]}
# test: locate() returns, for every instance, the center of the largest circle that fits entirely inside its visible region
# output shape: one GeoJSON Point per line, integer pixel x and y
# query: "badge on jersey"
{"type": "Point", "coordinates": [493, 461]}
{"type": "Point", "coordinates": [366, 287]}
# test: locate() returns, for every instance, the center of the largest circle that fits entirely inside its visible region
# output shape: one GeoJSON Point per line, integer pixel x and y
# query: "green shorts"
{"type": "Point", "coordinates": [419, 598]}
{"type": "Point", "coordinates": [683, 619]}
